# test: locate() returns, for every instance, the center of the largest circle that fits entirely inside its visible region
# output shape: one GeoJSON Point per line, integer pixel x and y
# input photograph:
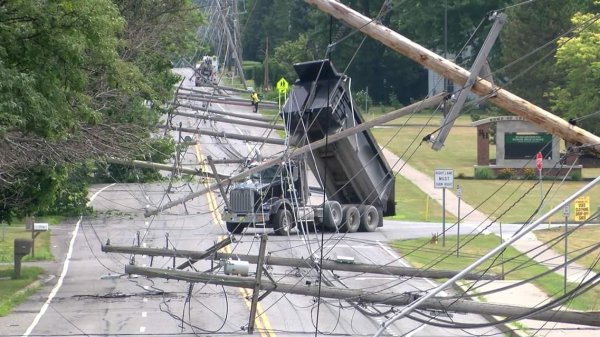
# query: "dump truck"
{"type": "Point", "coordinates": [357, 182]}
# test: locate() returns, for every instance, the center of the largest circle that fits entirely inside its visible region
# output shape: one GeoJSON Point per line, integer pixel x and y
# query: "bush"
{"type": "Point", "coordinates": [529, 173]}
{"type": "Point", "coordinates": [360, 98]}
{"type": "Point", "coordinates": [576, 175]}
{"type": "Point", "coordinates": [484, 173]}
{"type": "Point", "coordinates": [506, 173]}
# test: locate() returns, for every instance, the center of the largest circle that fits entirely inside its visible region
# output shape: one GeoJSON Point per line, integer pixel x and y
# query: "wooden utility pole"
{"type": "Point", "coordinates": [295, 262]}
{"type": "Point", "coordinates": [499, 97]}
{"type": "Point", "coordinates": [163, 167]}
{"type": "Point", "coordinates": [232, 46]}
{"type": "Point", "coordinates": [428, 103]}
{"type": "Point", "coordinates": [266, 67]}
{"type": "Point", "coordinates": [393, 299]}
{"type": "Point", "coordinates": [230, 135]}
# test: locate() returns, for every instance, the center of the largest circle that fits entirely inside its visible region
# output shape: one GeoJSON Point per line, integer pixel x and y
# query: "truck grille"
{"type": "Point", "coordinates": [241, 200]}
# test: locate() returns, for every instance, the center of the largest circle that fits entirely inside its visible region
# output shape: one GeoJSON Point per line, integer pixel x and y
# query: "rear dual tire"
{"type": "Point", "coordinates": [369, 218]}
{"type": "Point", "coordinates": [350, 219]}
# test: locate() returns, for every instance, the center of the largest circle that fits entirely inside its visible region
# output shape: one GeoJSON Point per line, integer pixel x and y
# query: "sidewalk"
{"type": "Point", "coordinates": [526, 295]}
{"type": "Point", "coordinates": [549, 258]}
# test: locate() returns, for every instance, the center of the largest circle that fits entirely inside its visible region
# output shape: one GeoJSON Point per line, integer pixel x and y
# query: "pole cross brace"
{"type": "Point", "coordinates": [476, 70]}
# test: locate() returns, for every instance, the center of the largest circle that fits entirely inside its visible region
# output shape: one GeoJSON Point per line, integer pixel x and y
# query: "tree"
{"type": "Point", "coordinates": [46, 49]}
{"type": "Point", "coordinates": [529, 51]}
{"type": "Point", "coordinates": [579, 58]}
{"type": "Point", "coordinates": [67, 66]}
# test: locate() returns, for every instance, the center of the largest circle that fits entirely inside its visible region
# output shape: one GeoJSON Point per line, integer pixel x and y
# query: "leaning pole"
{"type": "Point", "coordinates": [497, 96]}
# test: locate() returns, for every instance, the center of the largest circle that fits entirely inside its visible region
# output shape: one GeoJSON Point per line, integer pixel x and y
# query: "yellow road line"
{"type": "Point", "coordinates": [263, 326]}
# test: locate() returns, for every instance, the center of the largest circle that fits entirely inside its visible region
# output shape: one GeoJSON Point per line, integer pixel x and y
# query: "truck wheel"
{"type": "Point", "coordinates": [283, 222]}
{"type": "Point", "coordinates": [332, 215]}
{"type": "Point", "coordinates": [350, 219]}
{"type": "Point", "coordinates": [235, 227]}
{"type": "Point", "coordinates": [369, 218]}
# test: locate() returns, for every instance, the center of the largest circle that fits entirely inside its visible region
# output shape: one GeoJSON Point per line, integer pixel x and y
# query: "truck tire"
{"type": "Point", "coordinates": [235, 227]}
{"type": "Point", "coordinates": [350, 219]}
{"type": "Point", "coordinates": [332, 215]}
{"type": "Point", "coordinates": [369, 218]}
{"type": "Point", "coordinates": [283, 222]}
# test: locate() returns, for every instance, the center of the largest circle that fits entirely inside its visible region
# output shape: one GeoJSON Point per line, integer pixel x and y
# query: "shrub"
{"type": "Point", "coordinates": [484, 173]}
{"type": "Point", "coordinates": [576, 175]}
{"type": "Point", "coordinates": [506, 173]}
{"type": "Point", "coordinates": [529, 173]}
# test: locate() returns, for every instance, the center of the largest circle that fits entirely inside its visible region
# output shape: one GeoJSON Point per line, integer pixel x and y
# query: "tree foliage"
{"type": "Point", "coordinates": [388, 76]}
{"type": "Point", "coordinates": [47, 49]}
{"type": "Point", "coordinates": [529, 51]}
{"type": "Point", "coordinates": [579, 58]}
{"type": "Point", "coordinates": [65, 64]}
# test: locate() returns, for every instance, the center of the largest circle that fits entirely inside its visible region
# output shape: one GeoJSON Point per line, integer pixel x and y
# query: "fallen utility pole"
{"type": "Point", "coordinates": [221, 244]}
{"type": "Point", "coordinates": [163, 167]}
{"type": "Point", "coordinates": [296, 263]}
{"type": "Point", "coordinates": [227, 135]}
{"type": "Point", "coordinates": [428, 103]}
{"type": "Point", "coordinates": [232, 121]}
{"type": "Point", "coordinates": [521, 233]}
{"type": "Point", "coordinates": [482, 87]}
{"type": "Point", "coordinates": [233, 49]}
{"type": "Point", "coordinates": [392, 299]}
{"type": "Point", "coordinates": [252, 116]}
{"type": "Point", "coordinates": [219, 87]}
{"type": "Point", "coordinates": [222, 99]}
{"type": "Point", "coordinates": [194, 91]}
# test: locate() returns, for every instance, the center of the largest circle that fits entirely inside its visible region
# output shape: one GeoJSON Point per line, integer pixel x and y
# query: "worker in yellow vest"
{"type": "Point", "coordinates": [255, 100]}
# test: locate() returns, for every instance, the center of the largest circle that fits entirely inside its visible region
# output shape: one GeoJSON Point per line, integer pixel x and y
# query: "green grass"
{"type": "Point", "coordinates": [412, 204]}
{"type": "Point", "coordinates": [8, 234]}
{"type": "Point", "coordinates": [422, 254]}
{"type": "Point", "coordinates": [10, 294]}
{"type": "Point", "coordinates": [459, 153]}
{"type": "Point", "coordinates": [578, 241]}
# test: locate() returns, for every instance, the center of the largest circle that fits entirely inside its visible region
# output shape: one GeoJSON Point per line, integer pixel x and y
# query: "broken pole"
{"type": "Point", "coordinates": [232, 121]}
{"type": "Point", "coordinates": [256, 289]}
{"type": "Point", "coordinates": [251, 116]}
{"type": "Point", "coordinates": [392, 299]}
{"type": "Point", "coordinates": [499, 97]}
{"type": "Point", "coordinates": [418, 106]}
{"type": "Point", "coordinates": [223, 134]}
{"type": "Point", "coordinates": [162, 167]}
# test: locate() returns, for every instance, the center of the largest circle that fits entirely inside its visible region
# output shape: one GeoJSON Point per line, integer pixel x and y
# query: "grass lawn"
{"type": "Point", "coordinates": [422, 254]}
{"type": "Point", "coordinates": [9, 287]}
{"type": "Point", "coordinates": [8, 234]}
{"type": "Point", "coordinates": [459, 153]}
{"type": "Point", "coordinates": [412, 204]}
{"type": "Point", "coordinates": [577, 242]}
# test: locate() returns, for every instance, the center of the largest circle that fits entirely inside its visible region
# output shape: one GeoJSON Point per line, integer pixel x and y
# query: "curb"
{"type": "Point", "coordinates": [506, 328]}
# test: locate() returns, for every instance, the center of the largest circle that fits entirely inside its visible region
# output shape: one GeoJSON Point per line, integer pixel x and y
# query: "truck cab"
{"type": "Point", "coordinates": [274, 197]}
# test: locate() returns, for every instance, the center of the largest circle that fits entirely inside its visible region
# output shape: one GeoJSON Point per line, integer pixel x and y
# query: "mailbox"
{"type": "Point", "coordinates": [40, 226]}
{"type": "Point", "coordinates": [23, 246]}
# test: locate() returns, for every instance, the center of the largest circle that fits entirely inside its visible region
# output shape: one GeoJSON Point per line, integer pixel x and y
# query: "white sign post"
{"type": "Point", "coordinates": [566, 213]}
{"type": "Point", "coordinates": [459, 195]}
{"type": "Point", "coordinates": [443, 178]}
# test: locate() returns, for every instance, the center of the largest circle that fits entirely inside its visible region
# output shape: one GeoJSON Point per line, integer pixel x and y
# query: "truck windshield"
{"type": "Point", "coordinates": [268, 174]}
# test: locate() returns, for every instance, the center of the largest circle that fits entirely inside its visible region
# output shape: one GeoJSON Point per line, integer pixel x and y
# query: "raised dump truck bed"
{"type": "Point", "coordinates": [352, 170]}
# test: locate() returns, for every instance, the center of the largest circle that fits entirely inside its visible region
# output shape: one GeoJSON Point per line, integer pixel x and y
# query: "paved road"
{"type": "Point", "coordinates": [94, 298]}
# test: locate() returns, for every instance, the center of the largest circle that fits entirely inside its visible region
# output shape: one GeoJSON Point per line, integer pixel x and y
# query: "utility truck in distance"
{"type": "Point", "coordinates": [356, 179]}
{"type": "Point", "coordinates": [206, 71]}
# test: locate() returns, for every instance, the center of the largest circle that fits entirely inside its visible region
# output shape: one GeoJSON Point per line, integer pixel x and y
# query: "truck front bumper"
{"type": "Point", "coordinates": [246, 217]}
